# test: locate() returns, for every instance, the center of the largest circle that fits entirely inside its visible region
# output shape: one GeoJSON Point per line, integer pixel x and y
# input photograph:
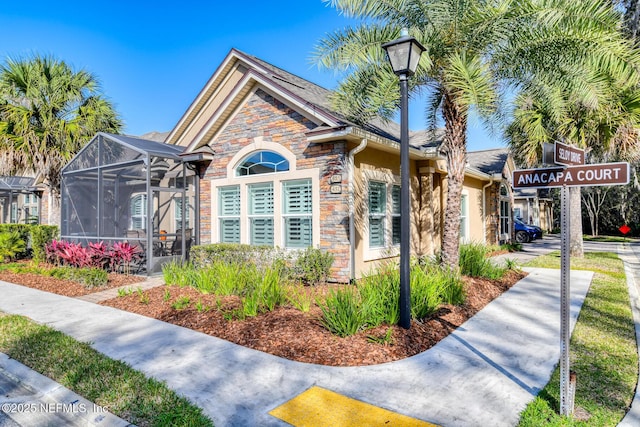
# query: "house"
{"type": "Point", "coordinates": [20, 200]}
{"type": "Point", "coordinates": [262, 158]}
{"type": "Point", "coordinates": [534, 206]}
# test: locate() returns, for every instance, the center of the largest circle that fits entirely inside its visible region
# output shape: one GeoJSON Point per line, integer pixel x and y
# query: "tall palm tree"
{"type": "Point", "coordinates": [608, 131]}
{"type": "Point", "coordinates": [477, 50]}
{"type": "Point", "coordinates": [48, 112]}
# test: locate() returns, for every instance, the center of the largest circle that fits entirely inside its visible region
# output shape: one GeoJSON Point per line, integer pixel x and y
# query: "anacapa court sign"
{"type": "Point", "coordinates": [573, 176]}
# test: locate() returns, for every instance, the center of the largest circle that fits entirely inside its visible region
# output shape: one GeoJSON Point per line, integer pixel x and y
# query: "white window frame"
{"type": "Point", "coordinates": [266, 216]}
{"type": "Point", "coordinates": [233, 215]}
{"type": "Point", "coordinates": [464, 217]}
{"type": "Point", "coordinates": [304, 213]}
{"type": "Point", "coordinates": [389, 249]}
{"type": "Point", "coordinates": [505, 214]}
{"type": "Point", "coordinates": [143, 215]}
{"type": "Point", "coordinates": [278, 179]}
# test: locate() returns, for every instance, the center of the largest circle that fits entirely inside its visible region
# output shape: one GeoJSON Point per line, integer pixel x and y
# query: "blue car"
{"type": "Point", "coordinates": [526, 233]}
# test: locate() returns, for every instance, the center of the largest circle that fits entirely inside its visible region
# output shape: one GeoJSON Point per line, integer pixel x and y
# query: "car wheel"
{"type": "Point", "coordinates": [522, 237]}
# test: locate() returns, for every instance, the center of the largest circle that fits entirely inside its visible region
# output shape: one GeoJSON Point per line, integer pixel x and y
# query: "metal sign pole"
{"type": "Point", "coordinates": [565, 303]}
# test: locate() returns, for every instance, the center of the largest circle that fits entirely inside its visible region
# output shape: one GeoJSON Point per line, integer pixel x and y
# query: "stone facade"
{"type": "Point", "coordinates": [263, 116]}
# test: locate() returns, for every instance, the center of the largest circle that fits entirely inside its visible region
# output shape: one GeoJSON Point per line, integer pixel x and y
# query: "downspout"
{"type": "Point", "coordinates": [484, 210]}
{"type": "Point", "coordinates": [352, 227]}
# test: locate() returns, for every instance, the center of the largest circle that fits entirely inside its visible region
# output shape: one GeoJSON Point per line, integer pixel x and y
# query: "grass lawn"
{"type": "Point", "coordinates": [609, 239]}
{"type": "Point", "coordinates": [603, 349]}
{"type": "Point", "coordinates": [126, 392]}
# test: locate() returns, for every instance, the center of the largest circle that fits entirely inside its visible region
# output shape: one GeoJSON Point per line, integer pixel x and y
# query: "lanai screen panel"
{"type": "Point", "coordinates": [121, 188]}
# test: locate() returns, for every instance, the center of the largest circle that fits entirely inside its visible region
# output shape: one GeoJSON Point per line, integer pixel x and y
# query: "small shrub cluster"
{"type": "Point", "coordinates": [375, 299]}
{"type": "Point", "coordinates": [118, 257]}
{"type": "Point", "coordinates": [24, 233]}
{"type": "Point", "coordinates": [260, 290]}
{"type": "Point", "coordinates": [474, 262]}
{"type": "Point", "coordinates": [41, 236]}
{"type": "Point", "coordinates": [11, 244]}
{"type": "Point", "coordinates": [309, 266]}
{"type": "Point", "coordinates": [87, 276]}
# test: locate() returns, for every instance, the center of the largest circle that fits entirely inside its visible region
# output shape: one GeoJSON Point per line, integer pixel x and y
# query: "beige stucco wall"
{"type": "Point", "coordinates": [377, 165]}
{"type": "Point", "coordinates": [472, 187]}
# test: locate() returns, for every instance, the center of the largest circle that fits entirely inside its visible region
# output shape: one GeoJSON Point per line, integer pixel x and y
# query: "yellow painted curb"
{"type": "Point", "coordinates": [321, 407]}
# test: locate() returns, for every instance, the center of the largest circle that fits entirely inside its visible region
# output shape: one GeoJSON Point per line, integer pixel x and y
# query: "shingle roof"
{"type": "Point", "coordinates": [488, 161]}
{"type": "Point", "coordinates": [320, 97]}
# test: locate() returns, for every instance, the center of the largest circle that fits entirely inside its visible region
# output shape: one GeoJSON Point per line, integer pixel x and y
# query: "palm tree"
{"type": "Point", "coordinates": [48, 112]}
{"type": "Point", "coordinates": [477, 51]}
{"type": "Point", "coordinates": [607, 130]}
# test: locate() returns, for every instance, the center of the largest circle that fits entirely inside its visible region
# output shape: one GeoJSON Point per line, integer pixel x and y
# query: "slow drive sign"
{"type": "Point", "coordinates": [572, 176]}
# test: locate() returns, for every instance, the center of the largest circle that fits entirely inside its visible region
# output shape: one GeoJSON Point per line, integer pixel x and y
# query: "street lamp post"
{"type": "Point", "coordinates": [404, 55]}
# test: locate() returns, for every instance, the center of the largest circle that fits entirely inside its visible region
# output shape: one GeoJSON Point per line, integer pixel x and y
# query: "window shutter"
{"type": "Point", "coordinates": [377, 198]}
{"type": "Point", "coordinates": [377, 211]}
{"type": "Point", "coordinates": [229, 230]}
{"type": "Point", "coordinates": [297, 196]}
{"type": "Point", "coordinates": [261, 208]}
{"type": "Point", "coordinates": [229, 210]}
{"type": "Point", "coordinates": [229, 200]}
{"type": "Point", "coordinates": [298, 206]}
{"type": "Point", "coordinates": [261, 199]}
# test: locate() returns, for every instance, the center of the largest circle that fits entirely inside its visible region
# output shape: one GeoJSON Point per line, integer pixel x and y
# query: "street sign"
{"type": "Point", "coordinates": [568, 155]}
{"type": "Point", "coordinates": [624, 229]}
{"type": "Point", "coordinates": [572, 176]}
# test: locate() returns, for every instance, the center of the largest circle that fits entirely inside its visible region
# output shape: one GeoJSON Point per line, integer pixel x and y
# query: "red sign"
{"type": "Point", "coordinates": [624, 229]}
{"type": "Point", "coordinates": [573, 176]}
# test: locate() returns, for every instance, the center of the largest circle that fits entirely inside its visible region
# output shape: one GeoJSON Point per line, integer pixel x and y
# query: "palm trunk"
{"type": "Point", "coordinates": [575, 228]}
{"type": "Point", "coordinates": [455, 147]}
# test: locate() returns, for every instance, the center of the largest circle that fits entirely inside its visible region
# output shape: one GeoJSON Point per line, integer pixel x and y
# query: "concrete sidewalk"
{"type": "Point", "coordinates": [483, 374]}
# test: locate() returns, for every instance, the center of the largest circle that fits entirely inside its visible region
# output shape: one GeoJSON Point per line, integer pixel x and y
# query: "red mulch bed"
{"type": "Point", "coordinates": [286, 331]}
{"type": "Point", "coordinates": [66, 287]}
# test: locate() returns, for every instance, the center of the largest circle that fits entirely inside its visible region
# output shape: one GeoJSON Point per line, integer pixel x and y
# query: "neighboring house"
{"type": "Point", "coordinates": [492, 193]}
{"type": "Point", "coordinates": [20, 200]}
{"type": "Point", "coordinates": [272, 164]}
{"type": "Point", "coordinates": [534, 206]}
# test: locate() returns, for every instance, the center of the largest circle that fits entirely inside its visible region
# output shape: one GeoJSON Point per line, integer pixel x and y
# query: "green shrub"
{"type": "Point", "coordinates": [474, 262]}
{"type": "Point", "coordinates": [11, 244]}
{"type": "Point", "coordinates": [313, 265]}
{"type": "Point", "coordinates": [341, 313]}
{"type": "Point", "coordinates": [310, 265]}
{"type": "Point", "coordinates": [24, 232]}
{"type": "Point", "coordinates": [41, 236]}
{"type": "Point", "coordinates": [235, 253]}
{"type": "Point", "coordinates": [299, 298]}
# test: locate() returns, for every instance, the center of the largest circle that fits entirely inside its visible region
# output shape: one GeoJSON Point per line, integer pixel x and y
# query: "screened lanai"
{"type": "Point", "coordinates": [19, 200]}
{"type": "Point", "coordinates": [120, 188]}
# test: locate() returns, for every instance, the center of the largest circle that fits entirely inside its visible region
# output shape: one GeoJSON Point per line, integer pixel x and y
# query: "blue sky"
{"type": "Point", "coordinates": [154, 57]}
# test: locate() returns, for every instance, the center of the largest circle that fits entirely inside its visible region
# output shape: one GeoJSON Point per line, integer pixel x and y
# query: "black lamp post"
{"type": "Point", "coordinates": [404, 55]}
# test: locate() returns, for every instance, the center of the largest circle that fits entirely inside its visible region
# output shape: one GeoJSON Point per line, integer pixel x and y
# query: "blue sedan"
{"type": "Point", "coordinates": [526, 233]}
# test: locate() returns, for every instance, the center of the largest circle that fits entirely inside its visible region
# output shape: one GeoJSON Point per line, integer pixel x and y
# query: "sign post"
{"type": "Point", "coordinates": [574, 174]}
{"type": "Point", "coordinates": [565, 301]}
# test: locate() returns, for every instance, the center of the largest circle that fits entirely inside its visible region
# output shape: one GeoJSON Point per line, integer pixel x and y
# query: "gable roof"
{"type": "Point", "coordinates": [299, 92]}
{"type": "Point", "coordinates": [490, 162]}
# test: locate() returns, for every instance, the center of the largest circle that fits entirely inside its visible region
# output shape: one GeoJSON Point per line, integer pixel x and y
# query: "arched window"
{"type": "Point", "coordinates": [261, 162]}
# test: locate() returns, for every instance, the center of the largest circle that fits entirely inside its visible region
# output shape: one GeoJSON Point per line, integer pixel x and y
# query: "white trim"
{"type": "Point", "coordinates": [277, 178]}
{"type": "Point", "coordinates": [259, 144]}
{"type": "Point", "coordinates": [467, 238]}
{"type": "Point", "coordinates": [389, 250]}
